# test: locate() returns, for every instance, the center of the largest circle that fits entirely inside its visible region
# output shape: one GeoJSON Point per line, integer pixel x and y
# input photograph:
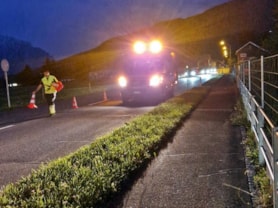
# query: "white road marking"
{"type": "Point", "coordinates": [6, 127]}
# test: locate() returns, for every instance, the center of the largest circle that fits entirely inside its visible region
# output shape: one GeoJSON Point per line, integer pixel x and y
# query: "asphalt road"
{"type": "Point", "coordinates": [25, 145]}
{"type": "Point", "coordinates": [29, 137]}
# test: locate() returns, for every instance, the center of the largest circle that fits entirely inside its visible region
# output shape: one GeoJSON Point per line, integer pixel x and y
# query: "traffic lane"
{"type": "Point", "coordinates": [183, 84]}
{"type": "Point", "coordinates": [24, 146]}
{"type": "Point", "coordinates": [186, 83]}
{"type": "Point", "coordinates": [21, 114]}
{"type": "Point", "coordinates": [112, 92]}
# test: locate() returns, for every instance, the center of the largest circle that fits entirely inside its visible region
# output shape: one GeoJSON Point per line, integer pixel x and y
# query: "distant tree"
{"type": "Point", "coordinates": [271, 41]}
{"type": "Point", "coordinates": [26, 76]}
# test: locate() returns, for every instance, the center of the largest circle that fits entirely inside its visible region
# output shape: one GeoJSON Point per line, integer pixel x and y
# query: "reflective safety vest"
{"type": "Point", "coordinates": [47, 83]}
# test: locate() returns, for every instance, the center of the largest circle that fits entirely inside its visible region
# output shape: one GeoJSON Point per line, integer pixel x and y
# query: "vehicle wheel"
{"type": "Point", "coordinates": [125, 99]}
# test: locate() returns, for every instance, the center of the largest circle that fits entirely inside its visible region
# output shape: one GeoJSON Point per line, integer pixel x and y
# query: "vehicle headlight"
{"type": "Point", "coordinates": [155, 80]}
{"type": "Point", "coordinates": [155, 46]}
{"type": "Point", "coordinates": [122, 81]}
{"type": "Point", "coordinates": [139, 47]}
{"type": "Point", "coordinates": [203, 71]}
{"type": "Point", "coordinates": [193, 73]}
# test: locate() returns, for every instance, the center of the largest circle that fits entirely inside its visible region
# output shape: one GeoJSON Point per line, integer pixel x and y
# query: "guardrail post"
{"type": "Point", "coordinates": [244, 95]}
{"type": "Point", "coordinates": [238, 76]}
{"type": "Point", "coordinates": [249, 76]}
{"type": "Point", "coordinates": [275, 171]}
{"type": "Point", "coordinates": [243, 74]}
{"type": "Point", "coordinates": [240, 73]}
{"type": "Point", "coordinates": [250, 108]}
{"type": "Point", "coordinates": [262, 81]}
{"type": "Point", "coordinates": [260, 136]}
{"type": "Point", "coordinates": [252, 111]}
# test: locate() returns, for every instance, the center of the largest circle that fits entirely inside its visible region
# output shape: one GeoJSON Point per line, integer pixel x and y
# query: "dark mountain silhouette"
{"type": "Point", "coordinates": [237, 22]}
{"type": "Point", "coordinates": [21, 53]}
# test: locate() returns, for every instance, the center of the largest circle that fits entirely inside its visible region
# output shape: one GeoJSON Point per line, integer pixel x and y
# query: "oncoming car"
{"type": "Point", "coordinates": [147, 73]}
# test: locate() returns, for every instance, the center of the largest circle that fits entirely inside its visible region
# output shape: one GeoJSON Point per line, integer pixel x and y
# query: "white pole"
{"type": "Point", "coordinates": [7, 87]}
{"type": "Point", "coordinates": [5, 68]}
{"type": "Point", "coordinates": [262, 81]}
{"type": "Point", "coordinates": [249, 76]}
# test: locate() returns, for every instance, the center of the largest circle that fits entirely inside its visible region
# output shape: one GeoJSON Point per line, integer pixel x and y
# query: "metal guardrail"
{"type": "Point", "coordinates": [257, 81]}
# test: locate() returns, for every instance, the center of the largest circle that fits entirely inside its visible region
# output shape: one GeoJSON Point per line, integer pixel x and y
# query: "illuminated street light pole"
{"type": "Point", "coordinates": [223, 44]}
{"type": "Point", "coordinates": [225, 52]}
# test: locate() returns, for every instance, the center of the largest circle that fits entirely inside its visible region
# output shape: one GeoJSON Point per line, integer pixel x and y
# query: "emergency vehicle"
{"type": "Point", "coordinates": [148, 72]}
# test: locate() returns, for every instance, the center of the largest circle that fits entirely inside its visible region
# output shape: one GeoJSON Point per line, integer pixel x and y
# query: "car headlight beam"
{"type": "Point", "coordinates": [155, 46]}
{"type": "Point", "coordinates": [122, 81]}
{"type": "Point", "coordinates": [155, 80]}
{"type": "Point", "coordinates": [139, 47]}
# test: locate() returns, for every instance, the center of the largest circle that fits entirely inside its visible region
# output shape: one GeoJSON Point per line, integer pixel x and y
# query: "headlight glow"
{"type": "Point", "coordinates": [155, 46]}
{"type": "Point", "coordinates": [139, 47]}
{"type": "Point", "coordinates": [193, 73]}
{"type": "Point", "coordinates": [122, 81]}
{"type": "Point", "coordinates": [155, 80]}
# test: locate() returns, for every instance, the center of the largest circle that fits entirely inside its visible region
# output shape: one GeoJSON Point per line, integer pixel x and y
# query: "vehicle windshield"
{"type": "Point", "coordinates": [144, 67]}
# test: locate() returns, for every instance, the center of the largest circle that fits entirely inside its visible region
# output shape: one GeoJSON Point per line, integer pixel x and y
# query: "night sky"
{"type": "Point", "coordinates": [66, 27]}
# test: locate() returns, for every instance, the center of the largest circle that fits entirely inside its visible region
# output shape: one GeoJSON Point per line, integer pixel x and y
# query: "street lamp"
{"type": "Point", "coordinates": [224, 45]}
{"type": "Point", "coordinates": [225, 52]}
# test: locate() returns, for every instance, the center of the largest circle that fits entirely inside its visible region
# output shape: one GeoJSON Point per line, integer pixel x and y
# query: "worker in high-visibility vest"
{"type": "Point", "coordinates": [49, 82]}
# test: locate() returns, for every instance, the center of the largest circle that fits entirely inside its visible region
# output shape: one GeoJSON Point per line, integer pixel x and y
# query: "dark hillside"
{"type": "Point", "coordinates": [237, 21]}
{"type": "Point", "coordinates": [21, 53]}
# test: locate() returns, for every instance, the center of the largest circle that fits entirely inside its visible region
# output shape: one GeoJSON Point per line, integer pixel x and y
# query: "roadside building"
{"type": "Point", "coordinates": [250, 51]}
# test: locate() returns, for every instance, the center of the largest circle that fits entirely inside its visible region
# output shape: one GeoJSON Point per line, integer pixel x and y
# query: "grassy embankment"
{"type": "Point", "coordinates": [262, 186]}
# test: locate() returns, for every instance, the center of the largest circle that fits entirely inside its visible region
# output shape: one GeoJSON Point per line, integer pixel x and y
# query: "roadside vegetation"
{"type": "Point", "coordinates": [262, 196]}
{"type": "Point", "coordinates": [94, 174]}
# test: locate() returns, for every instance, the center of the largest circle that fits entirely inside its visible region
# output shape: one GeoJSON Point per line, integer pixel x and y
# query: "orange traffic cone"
{"type": "Point", "coordinates": [104, 96]}
{"type": "Point", "coordinates": [32, 104]}
{"type": "Point", "coordinates": [74, 103]}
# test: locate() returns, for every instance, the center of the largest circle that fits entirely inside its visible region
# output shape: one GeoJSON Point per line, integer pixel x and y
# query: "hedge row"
{"type": "Point", "coordinates": [92, 174]}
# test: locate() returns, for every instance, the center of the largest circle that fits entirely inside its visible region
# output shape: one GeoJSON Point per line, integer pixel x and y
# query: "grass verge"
{"type": "Point", "coordinates": [262, 187]}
